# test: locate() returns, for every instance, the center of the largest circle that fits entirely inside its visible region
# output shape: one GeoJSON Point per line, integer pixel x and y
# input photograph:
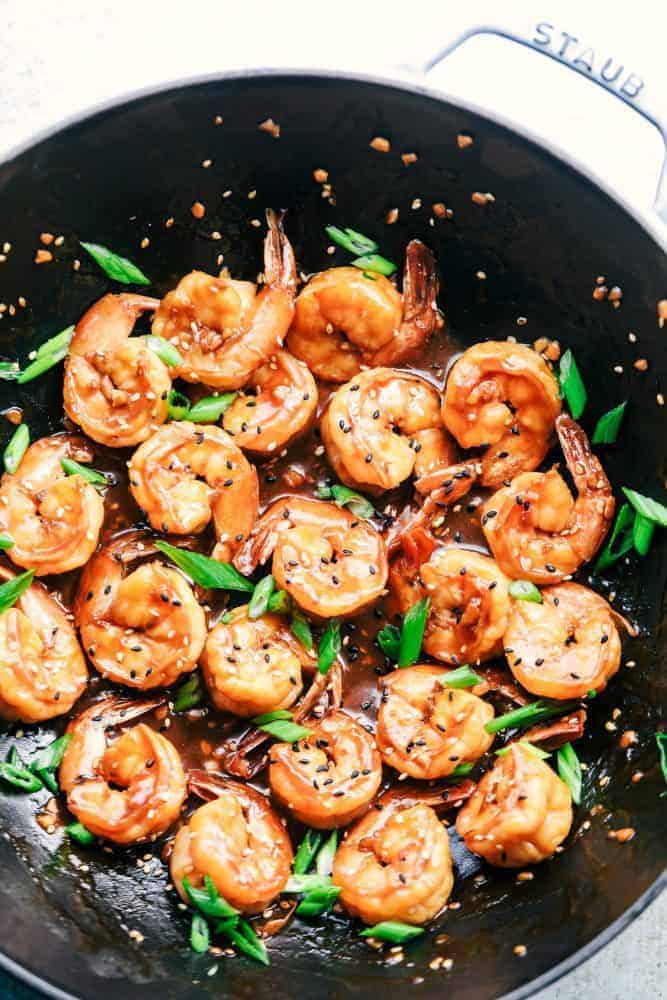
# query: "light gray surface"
{"type": "Point", "coordinates": [56, 58]}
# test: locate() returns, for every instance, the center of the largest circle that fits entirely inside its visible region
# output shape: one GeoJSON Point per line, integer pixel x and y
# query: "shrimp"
{"type": "Point", "coordinates": [566, 646]}
{"type": "Point", "coordinates": [426, 729]}
{"type": "Point", "coordinates": [382, 427]}
{"type": "Point", "coordinates": [279, 409]}
{"type": "Point", "coordinates": [115, 388]}
{"type": "Point", "coordinates": [395, 864]}
{"type": "Point", "coordinates": [328, 778]}
{"type": "Point", "coordinates": [53, 519]}
{"type": "Point", "coordinates": [519, 813]}
{"type": "Point", "coordinates": [332, 563]}
{"type": "Point", "coordinates": [188, 474]}
{"type": "Point", "coordinates": [223, 329]}
{"type": "Point", "coordinates": [346, 319]}
{"type": "Point", "coordinates": [536, 530]}
{"type": "Point", "coordinates": [253, 667]}
{"type": "Point", "coordinates": [503, 395]}
{"type": "Point", "coordinates": [42, 668]}
{"type": "Point", "coordinates": [127, 791]}
{"type": "Point", "coordinates": [239, 842]}
{"type": "Point", "coordinates": [144, 627]}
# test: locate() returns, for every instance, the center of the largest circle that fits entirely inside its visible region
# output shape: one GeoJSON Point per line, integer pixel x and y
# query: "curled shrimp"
{"type": "Point", "coordinates": [252, 667]}
{"type": "Point", "coordinates": [332, 563]}
{"type": "Point", "coordinates": [566, 646]}
{"type": "Point", "coordinates": [426, 729]}
{"type": "Point", "coordinates": [536, 530]}
{"type": "Point", "coordinates": [188, 474]}
{"type": "Point", "coordinates": [53, 519]}
{"type": "Point", "coordinates": [382, 427]}
{"type": "Point", "coordinates": [395, 864]}
{"type": "Point", "coordinates": [141, 627]}
{"type": "Point", "coordinates": [128, 790]}
{"type": "Point", "coordinates": [238, 841]}
{"type": "Point", "coordinates": [345, 319]}
{"type": "Point", "coordinates": [225, 329]}
{"type": "Point", "coordinates": [115, 388]}
{"type": "Point", "coordinates": [279, 408]}
{"type": "Point", "coordinates": [42, 668]}
{"type": "Point", "coordinates": [328, 778]}
{"type": "Point", "coordinates": [505, 396]}
{"type": "Point", "coordinates": [519, 813]}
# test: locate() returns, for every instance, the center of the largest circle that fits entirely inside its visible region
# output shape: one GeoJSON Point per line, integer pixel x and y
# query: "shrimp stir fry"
{"type": "Point", "coordinates": [345, 320]}
{"type": "Point", "coordinates": [536, 530]}
{"type": "Point", "coordinates": [223, 329]}
{"type": "Point", "coordinates": [128, 790]}
{"type": "Point", "coordinates": [115, 388]}
{"type": "Point", "coordinates": [503, 396]}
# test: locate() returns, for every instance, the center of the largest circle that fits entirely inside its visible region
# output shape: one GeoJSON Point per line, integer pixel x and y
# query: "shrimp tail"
{"type": "Point", "coordinates": [279, 262]}
{"type": "Point", "coordinates": [585, 467]}
{"type": "Point", "coordinates": [420, 285]}
{"type": "Point", "coordinates": [209, 785]}
{"type": "Point", "coordinates": [439, 797]}
{"type": "Point", "coordinates": [116, 710]}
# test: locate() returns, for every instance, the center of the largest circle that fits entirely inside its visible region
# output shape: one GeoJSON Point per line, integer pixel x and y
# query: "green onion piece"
{"type": "Point", "coordinates": [412, 633]}
{"type": "Point", "coordinates": [306, 883]}
{"type": "Point", "coordinates": [323, 491]}
{"type": "Point", "coordinates": [281, 727]}
{"type": "Point", "coordinates": [351, 240]}
{"type": "Point", "coordinates": [259, 602]}
{"type": "Point", "coordinates": [330, 645]}
{"type": "Point", "coordinates": [461, 770]}
{"type": "Point", "coordinates": [206, 572]}
{"type": "Point", "coordinates": [371, 277]}
{"type": "Point", "coordinates": [189, 694]}
{"type": "Point", "coordinates": [56, 343]}
{"type": "Point", "coordinates": [661, 740]}
{"type": "Point", "coordinates": [318, 902]}
{"type": "Point", "coordinates": [12, 590]}
{"type": "Point", "coordinates": [374, 262]}
{"type": "Point", "coordinates": [592, 693]}
{"type": "Point", "coordinates": [165, 351]}
{"type": "Point", "coordinates": [9, 371]}
{"type": "Point", "coordinates": [357, 504]}
{"type": "Point", "coordinates": [115, 267]}
{"type": "Point", "coordinates": [6, 542]}
{"type": "Point", "coordinates": [19, 777]}
{"type": "Point", "coordinates": [394, 931]}
{"type": "Point", "coordinates": [609, 424]}
{"type": "Point", "coordinates": [243, 937]}
{"type": "Point", "coordinates": [528, 714]}
{"type": "Point", "coordinates": [306, 851]}
{"type": "Point", "coordinates": [647, 507]}
{"type": "Point", "coordinates": [200, 936]}
{"type": "Point", "coordinates": [621, 529]}
{"type": "Point", "coordinates": [50, 757]}
{"type": "Point", "coordinates": [41, 365]}
{"type": "Point", "coordinates": [211, 904]}
{"type": "Point", "coordinates": [227, 617]}
{"type": "Point", "coordinates": [280, 603]}
{"type": "Point", "coordinates": [325, 855]}
{"type": "Point", "coordinates": [178, 406]}
{"type": "Point", "coordinates": [642, 534]}
{"type": "Point", "coordinates": [301, 629]}
{"type": "Point", "coordinates": [572, 385]}
{"type": "Point", "coordinates": [528, 747]}
{"type": "Point", "coordinates": [389, 639]}
{"type": "Point", "coordinates": [211, 408]}
{"type": "Point", "coordinates": [13, 756]}
{"type": "Point", "coordinates": [569, 770]}
{"type": "Point", "coordinates": [280, 714]}
{"type": "Point", "coordinates": [78, 832]}
{"type": "Point", "coordinates": [462, 677]}
{"type": "Point", "coordinates": [524, 590]}
{"type": "Point", "coordinates": [73, 468]}
{"type": "Point", "coordinates": [17, 447]}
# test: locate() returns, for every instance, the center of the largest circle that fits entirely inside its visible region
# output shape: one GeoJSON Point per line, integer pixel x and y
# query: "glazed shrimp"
{"type": "Point", "coordinates": [279, 408]}
{"type": "Point", "coordinates": [519, 813]}
{"type": "Point", "coordinates": [141, 627]}
{"type": "Point", "coordinates": [426, 729]}
{"type": "Point", "coordinates": [252, 667]}
{"type": "Point", "coordinates": [331, 562]}
{"type": "Point", "coordinates": [344, 319]}
{"type": "Point", "coordinates": [115, 388]}
{"type": "Point", "coordinates": [188, 474]}
{"type": "Point", "coordinates": [223, 329]}
{"type": "Point", "coordinates": [238, 840]}
{"type": "Point", "coordinates": [42, 668]}
{"type": "Point", "coordinates": [534, 527]}
{"type": "Point", "coordinates": [505, 396]}
{"type": "Point", "coordinates": [329, 778]}
{"type": "Point", "coordinates": [126, 791]}
{"type": "Point", "coordinates": [53, 519]}
{"type": "Point", "coordinates": [395, 864]}
{"type": "Point", "coordinates": [566, 646]}
{"type": "Point", "coordinates": [382, 427]}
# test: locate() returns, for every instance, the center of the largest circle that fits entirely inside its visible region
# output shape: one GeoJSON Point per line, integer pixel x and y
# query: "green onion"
{"type": "Point", "coordinates": [280, 714]}
{"type": "Point", "coordinates": [17, 447]}
{"type": "Point", "coordinates": [78, 832]}
{"type": "Point", "coordinates": [50, 757]}
{"type": "Point", "coordinates": [351, 240]}
{"type": "Point", "coordinates": [323, 491]}
{"type": "Point", "coordinates": [41, 365]}
{"type": "Point", "coordinates": [462, 677]}
{"type": "Point", "coordinates": [661, 740]}
{"type": "Point", "coordinates": [528, 714]}
{"type": "Point", "coordinates": [12, 590]}
{"type": "Point", "coordinates": [306, 851]}
{"type": "Point", "coordinates": [394, 931]}
{"type": "Point", "coordinates": [280, 603]}
{"type": "Point", "coordinates": [642, 533]}
{"type": "Point", "coordinates": [165, 351]}
{"type": "Point", "coordinates": [281, 727]}
{"type": "Point", "coordinates": [178, 406]}
{"type": "Point", "coordinates": [19, 777]}
{"type": "Point", "coordinates": [115, 267]}
{"type": "Point", "coordinates": [200, 936]}
{"type": "Point", "coordinates": [609, 424]}
{"type": "Point", "coordinates": [208, 901]}
{"type": "Point", "coordinates": [412, 633]}
{"type": "Point", "coordinates": [357, 504]}
{"type": "Point", "coordinates": [371, 277]}
{"type": "Point", "coordinates": [374, 262]}
{"type": "Point", "coordinates": [301, 629]}
{"type": "Point", "coordinates": [211, 408]}
{"type": "Point", "coordinates": [389, 639]}
{"type": "Point", "coordinates": [325, 855]}
{"type": "Point", "coordinates": [241, 934]}
{"type": "Point", "coordinates": [330, 645]}
{"type": "Point", "coordinates": [13, 756]}
{"type": "Point", "coordinates": [317, 902]}
{"type": "Point", "coordinates": [569, 770]}
{"type": "Point", "coordinates": [205, 571]}
{"type": "Point", "coordinates": [227, 617]}
{"type": "Point", "coordinates": [461, 770]}
{"type": "Point", "coordinates": [528, 747]}
{"type": "Point", "coordinates": [306, 883]}
{"type": "Point", "coordinates": [55, 343]}
{"type": "Point", "coordinates": [647, 507]}
{"type": "Point", "coordinates": [9, 371]}
{"type": "Point", "coordinates": [624, 520]}
{"type": "Point", "coordinates": [72, 468]}
{"type": "Point", "coordinates": [6, 542]}
{"type": "Point", "coordinates": [572, 385]}
{"type": "Point", "coordinates": [524, 590]}
{"type": "Point", "coordinates": [259, 602]}
{"type": "Point", "coordinates": [189, 694]}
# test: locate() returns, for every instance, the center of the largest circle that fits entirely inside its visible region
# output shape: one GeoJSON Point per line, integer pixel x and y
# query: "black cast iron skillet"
{"type": "Point", "coordinates": [114, 177]}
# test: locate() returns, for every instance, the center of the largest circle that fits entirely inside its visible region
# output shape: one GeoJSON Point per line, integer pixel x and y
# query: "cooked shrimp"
{"type": "Point", "coordinates": [566, 646]}
{"type": "Point", "coordinates": [382, 427]}
{"type": "Point", "coordinates": [42, 668]}
{"type": "Point", "coordinates": [332, 563]}
{"type": "Point", "coordinates": [395, 864]}
{"type": "Point", "coordinates": [503, 395]}
{"type": "Point", "coordinates": [126, 791]}
{"type": "Point", "coordinates": [239, 841]}
{"type": "Point", "coordinates": [279, 408]}
{"type": "Point", "coordinates": [252, 667]}
{"type": "Point", "coordinates": [115, 388]}
{"type": "Point", "coordinates": [188, 474]}
{"type": "Point", "coordinates": [519, 813]}
{"type": "Point", "coordinates": [53, 519]}
{"type": "Point", "coordinates": [534, 527]}
{"type": "Point", "coordinates": [328, 778]}
{"type": "Point", "coordinates": [345, 319]}
{"type": "Point", "coordinates": [144, 627]}
{"type": "Point", "coordinates": [225, 329]}
{"type": "Point", "coordinates": [426, 729]}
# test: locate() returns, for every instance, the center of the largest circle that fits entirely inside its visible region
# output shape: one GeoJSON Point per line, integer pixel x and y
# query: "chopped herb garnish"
{"type": "Point", "coordinates": [393, 931]}
{"type": "Point", "coordinates": [279, 713]}
{"type": "Point", "coordinates": [306, 882]}
{"type": "Point", "coordinates": [357, 504]}
{"type": "Point", "coordinates": [6, 542]}
{"type": "Point", "coordinates": [12, 590]}
{"type": "Point", "coordinates": [189, 694]}
{"type": "Point", "coordinates": [115, 267]}
{"type": "Point", "coordinates": [569, 769]}
{"type": "Point", "coordinates": [19, 777]}
{"type": "Point", "coordinates": [301, 629]}
{"type": "Point", "coordinates": [661, 740]}
{"type": "Point", "coordinates": [350, 240]}
{"type": "Point", "coordinates": [9, 371]}
{"type": "Point", "coordinates": [200, 936]}
{"type": "Point", "coordinates": [208, 901]}
{"type": "Point", "coordinates": [42, 364]}
{"type": "Point", "coordinates": [462, 677]}
{"type": "Point", "coordinates": [412, 633]}
{"type": "Point", "coordinates": [325, 855]}
{"type": "Point", "coordinates": [375, 263]}
{"type": "Point", "coordinates": [330, 645]}
{"type": "Point", "coordinates": [524, 590]}
{"type": "Point", "coordinates": [307, 850]}
{"type": "Point", "coordinates": [319, 901]}
{"type": "Point", "coordinates": [165, 351]}
{"type": "Point", "coordinates": [178, 405]}
{"type": "Point", "coordinates": [17, 447]}
{"type": "Point", "coordinates": [243, 937]}
{"type": "Point", "coordinates": [461, 770]}
{"type": "Point", "coordinates": [211, 408]}
{"type": "Point", "coordinates": [72, 468]}
{"type": "Point", "coordinates": [205, 571]}
{"type": "Point", "coordinates": [55, 343]}
{"type": "Point", "coordinates": [281, 726]}
{"type": "Point", "coordinates": [647, 507]}
{"type": "Point", "coordinates": [621, 531]}
{"type": "Point", "coordinates": [609, 424]}
{"type": "Point", "coordinates": [572, 385]}
{"type": "Point", "coordinates": [642, 533]}
{"type": "Point", "coordinates": [50, 757]}
{"type": "Point", "coordinates": [389, 639]}
{"type": "Point", "coordinates": [78, 832]}
{"type": "Point", "coordinates": [528, 747]}
{"type": "Point", "coordinates": [525, 716]}
{"type": "Point", "coordinates": [280, 603]}
{"type": "Point", "coordinates": [259, 602]}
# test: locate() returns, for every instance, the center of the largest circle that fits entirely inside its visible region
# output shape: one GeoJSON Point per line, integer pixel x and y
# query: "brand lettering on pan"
{"type": "Point", "coordinates": [568, 48]}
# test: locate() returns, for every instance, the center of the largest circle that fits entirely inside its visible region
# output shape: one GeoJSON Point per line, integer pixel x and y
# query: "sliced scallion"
{"type": "Point", "coordinates": [17, 447]}
{"type": "Point", "coordinates": [642, 533]}
{"type": "Point", "coordinates": [116, 267]}
{"type": "Point", "coordinates": [317, 902]}
{"type": "Point", "coordinates": [72, 468]}
{"type": "Point", "coordinates": [280, 603]}
{"type": "Point", "coordinates": [325, 855]}
{"type": "Point", "coordinates": [524, 590]}
{"type": "Point", "coordinates": [78, 832]}
{"type": "Point", "coordinates": [55, 343]}
{"type": "Point", "coordinates": [528, 747]}
{"type": "Point", "coordinates": [609, 424]}
{"type": "Point", "coordinates": [189, 694]}
{"type": "Point", "coordinates": [412, 633]}
{"type": "Point", "coordinates": [165, 351]}
{"type": "Point", "coordinates": [19, 777]}
{"type": "Point", "coordinates": [243, 937]}
{"type": "Point", "coordinates": [205, 571]}
{"type": "Point", "coordinates": [210, 409]}
{"type": "Point", "coordinates": [281, 727]}
{"type": "Point", "coordinates": [375, 263]}
{"type": "Point", "coordinates": [200, 935]}
{"type": "Point", "coordinates": [9, 371]}
{"type": "Point", "coordinates": [178, 406]}
{"type": "Point", "coordinates": [306, 851]}
{"type": "Point", "coordinates": [6, 542]}
{"type": "Point", "coordinates": [462, 677]}
{"type": "Point", "coordinates": [12, 590]}
{"type": "Point", "coordinates": [572, 385]}
{"type": "Point", "coordinates": [620, 532]}
{"type": "Point", "coordinates": [355, 502]}
{"type": "Point", "coordinates": [351, 240]}
{"type": "Point", "coordinates": [42, 364]}
{"type": "Point", "coordinates": [301, 629]}
{"type": "Point", "coordinates": [259, 602]}
{"type": "Point", "coordinates": [208, 901]}
{"type": "Point", "coordinates": [525, 716]}
{"type": "Point", "coordinates": [569, 769]}
{"type": "Point", "coordinates": [393, 931]}
{"type": "Point", "coordinates": [389, 639]}
{"type": "Point", "coordinates": [651, 509]}
{"type": "Point", "coordinates": [330, 646]}
{"type": "Point", "coordinates": [661, 740]}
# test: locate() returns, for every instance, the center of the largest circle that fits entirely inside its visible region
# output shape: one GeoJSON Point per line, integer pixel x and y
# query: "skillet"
{"type": "Point", "coordinates": [115, 176]}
